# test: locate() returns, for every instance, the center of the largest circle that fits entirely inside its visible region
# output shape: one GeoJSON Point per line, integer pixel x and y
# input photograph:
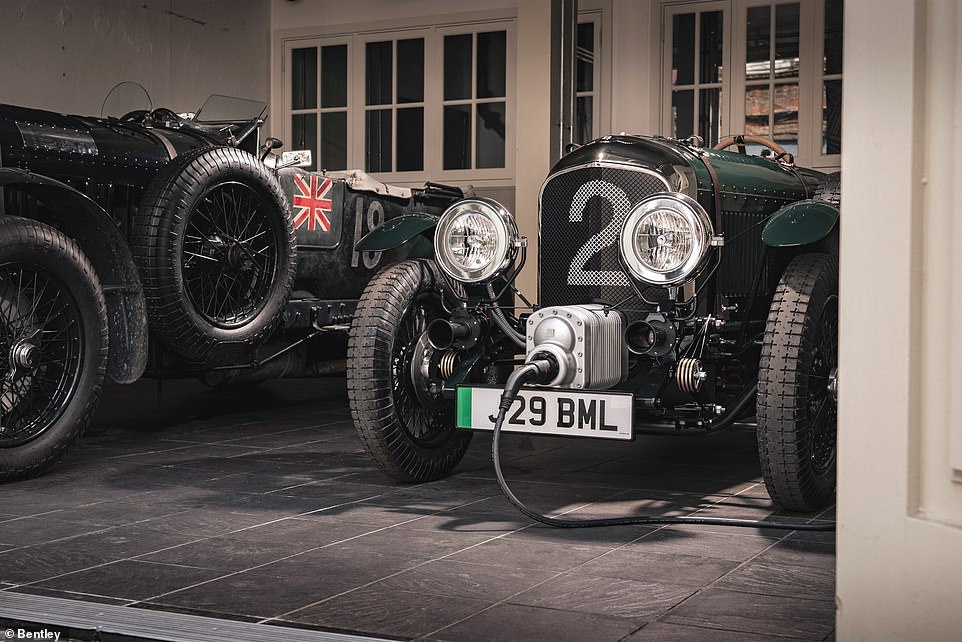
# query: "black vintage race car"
{"type": "Point", "coordinates": [681, 290]}
{"type": "Point", "coordinates": [169, 245]}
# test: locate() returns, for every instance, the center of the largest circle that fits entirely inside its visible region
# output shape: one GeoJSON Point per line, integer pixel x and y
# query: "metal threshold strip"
{"type": "Point", "coordinates": [149, 624]}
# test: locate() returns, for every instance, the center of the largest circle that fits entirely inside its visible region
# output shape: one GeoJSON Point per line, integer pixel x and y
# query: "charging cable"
{"type": "Point", "coordinates": [541, 368]}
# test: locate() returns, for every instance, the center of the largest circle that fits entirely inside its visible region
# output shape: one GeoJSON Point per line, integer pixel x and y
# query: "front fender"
{"type": "Point", "coordinates": [801, 223]}
{"type": "Point", "coordinates": [105, 247]}
{"type": "Point", "coordinates": [396, 232]}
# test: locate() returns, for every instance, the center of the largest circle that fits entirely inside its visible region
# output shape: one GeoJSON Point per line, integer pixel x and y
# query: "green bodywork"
{"type": "Point", "coordinates": [800, 223]}
{"type": "Point", "coordinates": [396, 232]}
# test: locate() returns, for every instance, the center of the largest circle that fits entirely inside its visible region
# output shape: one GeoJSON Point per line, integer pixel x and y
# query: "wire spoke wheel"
{"type": "Point", "coordinates": [394, 378]}
{"type": "Point", "coordinates": [822, 410]}
{"type": "Point", "coordinates": [53, 346]}
{"type": "Point", "coordinates": [417, 394]}
{"type": "Point", "coordinates": [40, 351]}
{"type": "Point", "coordinates": [214, 242]}
{"type": "Point", "coordinates": [229, 254]}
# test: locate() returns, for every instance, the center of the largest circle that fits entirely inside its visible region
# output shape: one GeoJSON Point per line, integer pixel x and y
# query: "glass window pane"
{"type": "Point", "coordinates": [457, 67]}
{"type": "Point", "coordinates": [710, 117]}
{"type": "Point", "coordinates": [334, 76]}
{"type": "Point", "coordinates": [457, 137]}
{"type": "Point", "coordinates": [586, 56]}
{"type": "Point", "coordinates": [410, 70]}
{"type": "Point", "coordinates": [786, 40]}
{"type": "Point", "coordinates": [785, 106]}
{"type": "Point", "coordinates": [832, 117]}
{"type": "Point", "coordinates": [377, 141]}
{"type": "Point", "coordinates": [333, 140]}
{"type": "Point", "coordinates": [758, 42]}
{"type": "Point", "coordinates": [832, 63]}
{"type": "Point", "coordinates": [379, 72]}
{"type": "Point", "coordinates": [757, 109]}
{"type": "Point", "coordinates": [583, 120]}
{"type": "Point", "coordinates": [304, 134]}
{"type": "Point", "coordinates": [304, 78]}
{"type": "Point", "coordinates": [410, 139]}
{"type": "Point", "coordinates": [490, 135]}
{"type": "Point", "coordinates": [491, 64]}
{"type": "Point", "coordinates": [682, 113]}
{"type": "Point", "coordinates": [683, 49]}
{"type": "Point", "coordinates": [712, 25]}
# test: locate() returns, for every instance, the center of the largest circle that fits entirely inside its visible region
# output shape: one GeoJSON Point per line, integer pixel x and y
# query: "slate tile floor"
{"type": "Point", "coordinates": [262, 507]}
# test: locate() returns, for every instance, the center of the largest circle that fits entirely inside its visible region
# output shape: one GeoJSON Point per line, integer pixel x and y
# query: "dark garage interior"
{"type": "Point", "coordinates": [452, 321]}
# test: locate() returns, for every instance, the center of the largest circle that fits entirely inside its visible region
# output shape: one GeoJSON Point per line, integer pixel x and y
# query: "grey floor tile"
{"type": "Point", "coordinates": [464, 579]}
{"type": "Point", "coordinates": [387, 612]}
{"type": "Point", "coordinates": [259, 593]}
{"type": "Point", "coordinates": [35, 563]}
{"type": "Point", "coordinates": [763, 614]}
{"type": "Point", "coordinates": [209, 522]}
{"type": "Point", "coordinates": [44, 528]}
{"type": "Point", "coordinates": [807, 582]}
{"type": "Point", "coordinates": [506, 622]}
{"type": "Point", "coordinates": [520, 553]}
{"type": "Point", "coordinates": [123, 541]}
{"type": "Point", "coordinates": [609, 537]}
{"type": "Point", "coordinates": [639, 564]}
{"type": "Point", "coordinates": [733, 545]}
{"type": "Point", "coordinates": [605, 596]}
{"type": "Point", "coordinates": [664, 632]}
{"type": "Point", "coordinates": [225, 553]}
{"type": "Point", "coordinates": [799, 552]}
{"type": "Point", "coordinates": [131, 580]}
{"type": "Point", "coordinates": [261, 507]}
{"type": "Point", "coordinates": [71, 595]}
{"type": "Point", "coordinates": [409, 546]}
{"type": "Point", "coordinates": [256, 546]}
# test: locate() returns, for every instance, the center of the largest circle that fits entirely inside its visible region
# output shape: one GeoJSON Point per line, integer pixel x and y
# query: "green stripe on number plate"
{"type": "Point", "coordinates": [464, 407]}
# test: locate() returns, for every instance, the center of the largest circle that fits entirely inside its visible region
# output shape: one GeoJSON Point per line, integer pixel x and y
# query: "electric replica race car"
{"type": "Point", "coordinates": [681, 290]}
{"type": "Point", "coordinates": [170, 245]}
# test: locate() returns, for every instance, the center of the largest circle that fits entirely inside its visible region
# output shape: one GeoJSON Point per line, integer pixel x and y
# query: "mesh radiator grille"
{"type": "Point", "coordinates": [581, 215]}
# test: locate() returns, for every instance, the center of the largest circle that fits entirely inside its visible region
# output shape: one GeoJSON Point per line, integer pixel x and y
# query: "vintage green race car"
{"type": "Point", "coordinates": [681, 289]}
{"type": "Point", "coordinates": [151, 243]}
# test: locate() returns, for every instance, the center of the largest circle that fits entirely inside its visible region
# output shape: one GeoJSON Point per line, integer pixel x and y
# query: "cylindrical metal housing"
{"type": "Point", "coordinates": [587, 341]}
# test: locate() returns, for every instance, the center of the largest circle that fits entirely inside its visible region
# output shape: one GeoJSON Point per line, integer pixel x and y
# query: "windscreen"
{"type": "Point", "coordinates": [225, 109]}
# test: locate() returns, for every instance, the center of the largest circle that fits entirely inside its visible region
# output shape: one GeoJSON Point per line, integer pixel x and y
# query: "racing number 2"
{"type": "Point", "coordinates": [608, 236]}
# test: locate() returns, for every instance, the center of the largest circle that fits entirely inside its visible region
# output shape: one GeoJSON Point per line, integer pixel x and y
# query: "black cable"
{"type": "Point", "coordinates": [541, 369]}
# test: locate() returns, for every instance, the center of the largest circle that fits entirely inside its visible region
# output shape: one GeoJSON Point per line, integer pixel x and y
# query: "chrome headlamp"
{"type": "Point", "coordinates": [475, 240]}
{"type": "Point", "coordinates": [666, 239]}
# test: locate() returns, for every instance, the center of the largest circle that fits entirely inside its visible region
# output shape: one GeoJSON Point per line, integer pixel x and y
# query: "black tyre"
{"type": "Point", "coordinates": [214, 243]}
{"type": "Point", "coordinates": [830, 189]}
{"type": "Point", "coordinates": [797, 414]}
{"type": "Point", "coordinates": [53, 346]}
{"type": "Point", "coordinates": [392, 382]}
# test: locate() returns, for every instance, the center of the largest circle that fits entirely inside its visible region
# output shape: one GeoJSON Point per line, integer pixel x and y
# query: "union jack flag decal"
{"type": "Point", "coordinates": [313, 203]}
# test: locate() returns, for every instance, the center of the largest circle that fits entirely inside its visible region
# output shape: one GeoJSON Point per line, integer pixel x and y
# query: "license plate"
{"type": "Point", "coordinates": [605, 415]}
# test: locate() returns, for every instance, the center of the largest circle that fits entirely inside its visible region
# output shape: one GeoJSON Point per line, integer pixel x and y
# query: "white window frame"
{"type": "Point", "coordinates": [593, 18]}
{"type": "Point", "coordinates": [696, 87]}
{"type": "Point", "coordinates": [289, 112]}
{"type": "Point", "coordinates": [810, 77]}
{"type": "Point", "coordinates": [356, 37]}
{"type": "Point", "coordinates": [437, 105]}
{"type": "Point", "coordinates": [359, 75]}
{"type": "Point", "coordinates": [832, 161]}
{"type": "Point", "coordinates": [806, 64]}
